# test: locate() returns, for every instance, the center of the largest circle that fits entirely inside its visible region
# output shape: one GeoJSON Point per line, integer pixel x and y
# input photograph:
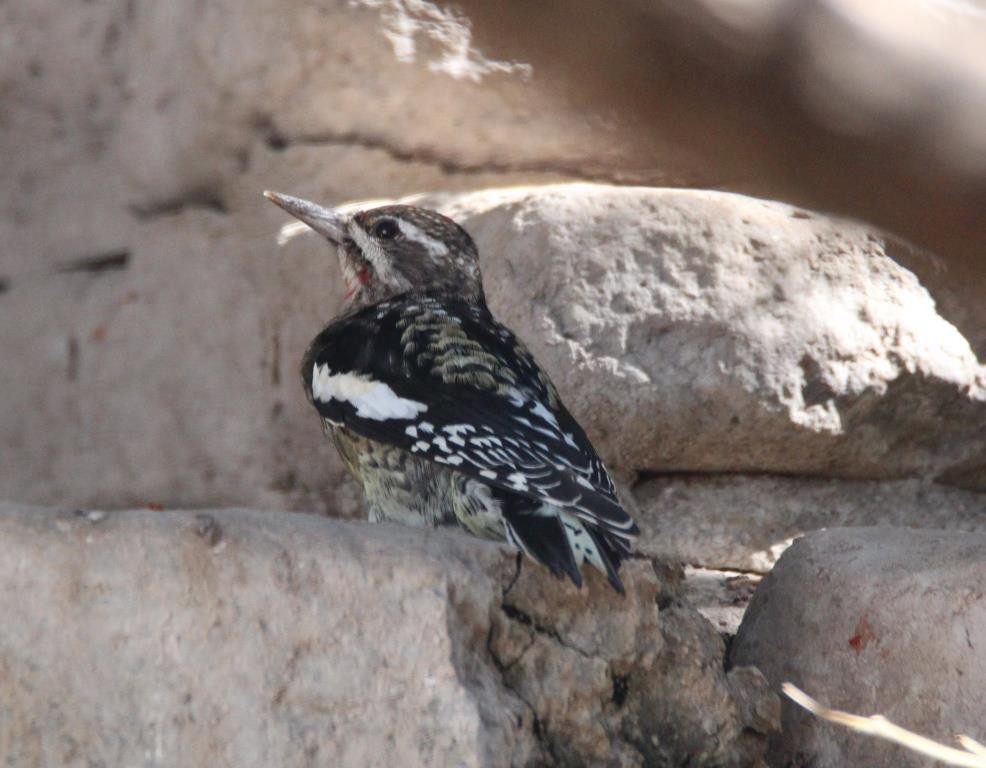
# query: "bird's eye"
{"type": "Point", "coordinates": [385, 229]}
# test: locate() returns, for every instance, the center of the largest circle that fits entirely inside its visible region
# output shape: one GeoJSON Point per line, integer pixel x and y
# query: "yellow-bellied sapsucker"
{"type": "Point", "coordinates": [439, 410]}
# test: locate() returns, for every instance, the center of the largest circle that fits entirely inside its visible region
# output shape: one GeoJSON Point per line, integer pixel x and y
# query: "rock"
{"type": "Point", "coordinates": [767, 97]}
{"type": "Point", "coordinates": [721, 596]}
{"type": "Point", "coordinates": [249, 638]}
{"type": "Point", "coordinates": [872, 620]}
{"type": "Point", "coordinates": [116, 111]}
{"type": "Point", "coordinates": [751, 337]}
{"type": "Point", "coordinates": [660, 700]}
{"type": "Point", "coordinates": [745, 522]}
{"type": "Point", "coordinates": [702, 331]}
{"type": "Point", "coordinates": [137, 142]}
{"type": "Point", "coordinates": [120, 113]}
{"type": "Point", "coordinates": [158, 339]}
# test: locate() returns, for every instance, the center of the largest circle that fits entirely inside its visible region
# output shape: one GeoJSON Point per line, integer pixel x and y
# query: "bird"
{"type": "Point", "coordinates": [440, 411]}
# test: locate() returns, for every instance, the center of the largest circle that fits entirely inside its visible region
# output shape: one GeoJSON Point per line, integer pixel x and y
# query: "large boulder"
{"type": "Point", "coordinates": [875, 621]}
{"type": "Point", "coordinates": [711, 332]}
{"type": "Point", "coordinates": [255, 639]}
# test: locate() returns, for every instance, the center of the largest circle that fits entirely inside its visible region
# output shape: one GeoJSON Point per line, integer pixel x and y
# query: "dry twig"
{"type": "Point", "coordinates": [879, 726]}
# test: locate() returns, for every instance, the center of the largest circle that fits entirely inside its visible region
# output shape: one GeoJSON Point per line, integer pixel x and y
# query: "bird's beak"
{"type": "Point", "coordinates": [326, 221]}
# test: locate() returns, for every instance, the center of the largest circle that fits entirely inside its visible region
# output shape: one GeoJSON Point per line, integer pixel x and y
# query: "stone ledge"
{"type": "Point", "coordinates": [246, 638]}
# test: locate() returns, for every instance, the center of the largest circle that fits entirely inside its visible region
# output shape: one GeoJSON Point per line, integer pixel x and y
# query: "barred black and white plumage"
{"type": "Point", "coordinates": [439, 410]}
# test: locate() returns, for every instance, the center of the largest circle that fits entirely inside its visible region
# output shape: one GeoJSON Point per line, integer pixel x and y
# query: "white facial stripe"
{"type": "Point", "coordinates": [374, 254]}
{"type": "Point", "coordinates": [372, 399]}
{"type": "Point", "coordinates": [369, 247]}
{"type": "Point", "coordinates": [418, 235]}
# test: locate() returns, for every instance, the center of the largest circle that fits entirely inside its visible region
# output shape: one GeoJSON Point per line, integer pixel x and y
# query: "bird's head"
{"type": "Point", "coordinates": [394, 249]}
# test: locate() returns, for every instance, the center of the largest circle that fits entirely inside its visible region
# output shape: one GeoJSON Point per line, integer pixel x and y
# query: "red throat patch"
{"type": "Point", "coordinates": [362, 278]}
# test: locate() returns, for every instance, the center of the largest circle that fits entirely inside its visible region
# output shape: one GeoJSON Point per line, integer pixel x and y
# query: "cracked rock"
{"type": "Point", "coordinates": [624, 684]}
{"type": "Point", "coordinates": [257, 639]}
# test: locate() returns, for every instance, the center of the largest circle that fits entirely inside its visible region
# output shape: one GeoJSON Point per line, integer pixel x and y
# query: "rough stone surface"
{"type": "Point", "coordinates": [114, 108]}
{"type": "Point", "coordinates": [253, 639]}
{"type": "Point", "coordinates": [752, 336]}
{"type": "Point", "coordinates": [711, 332]}
{"type": "Point", "coordinates": [118, 110]}
{"type": "Point", "coordinates": [158, 340]}
{"type": "Point", "coordinates": [152, 340]}
{"type": "Point", "coordinates": [137, 139]}
{"type": "Point", "coordinates": [872, 620]}
{"type": "Point", "coordinates": [872, 109]}
{"type": "Point", "coordinates": [720, 595]}
{"type": "Point", "coordinates": [746, 522]}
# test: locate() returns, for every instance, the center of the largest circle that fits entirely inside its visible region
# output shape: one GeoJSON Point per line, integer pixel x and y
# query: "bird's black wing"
{"type": "Point", "coordinates": [445, 381]}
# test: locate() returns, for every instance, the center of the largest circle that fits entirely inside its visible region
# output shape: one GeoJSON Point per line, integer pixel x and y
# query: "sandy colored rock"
{"type": "Point", "coordinates": [257, 639]}
{"type": "Point", "coordinates": [157, 340]}
{"type": "Point", "coordinates": [703, 331]}
{"type": "Point", "coordinates": [874, 110]}
{"type": "Point", "coordinates": [872, 620]}
{"type": "Point", "coordinates": [117, 112]}
{"type": "Point", "coordinates": [661, 700]}
{"type": "Point", "coordinates": [721, 596]}
{"type": "Point", "coordinates": [152, 332]}
{"type": "Point", "coordinates": [170, 375]}
{"type": "Point", "coordinates": [694, 331]}
{"type": "Point", "coordinates": [746, 522]}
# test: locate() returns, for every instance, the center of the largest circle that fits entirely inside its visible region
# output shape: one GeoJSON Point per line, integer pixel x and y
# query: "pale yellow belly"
{"type": "Point", "coordinates": [407, 489]}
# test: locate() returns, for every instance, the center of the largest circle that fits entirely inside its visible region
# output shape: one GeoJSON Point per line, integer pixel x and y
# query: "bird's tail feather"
{"type": "Point", "coordinates": [543, 538]}
{"type": "Point", "coordinates": [562, 541]}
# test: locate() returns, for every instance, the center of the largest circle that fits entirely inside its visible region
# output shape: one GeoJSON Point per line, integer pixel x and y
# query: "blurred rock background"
{"type": "Point", "coordinates": [751, 370]}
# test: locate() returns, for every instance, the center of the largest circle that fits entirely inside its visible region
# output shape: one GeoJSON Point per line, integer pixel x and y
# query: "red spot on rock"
{"type": "Point", "coordinates": [155, 506]}
{"type": "Point", "coordinates": [98, 333]}
{"type": "Point", "coordinates": [862, 636]}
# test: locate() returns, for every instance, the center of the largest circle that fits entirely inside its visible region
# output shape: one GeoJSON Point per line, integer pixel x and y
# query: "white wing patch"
{"type": "Point", "coordinates": [372, 399]}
